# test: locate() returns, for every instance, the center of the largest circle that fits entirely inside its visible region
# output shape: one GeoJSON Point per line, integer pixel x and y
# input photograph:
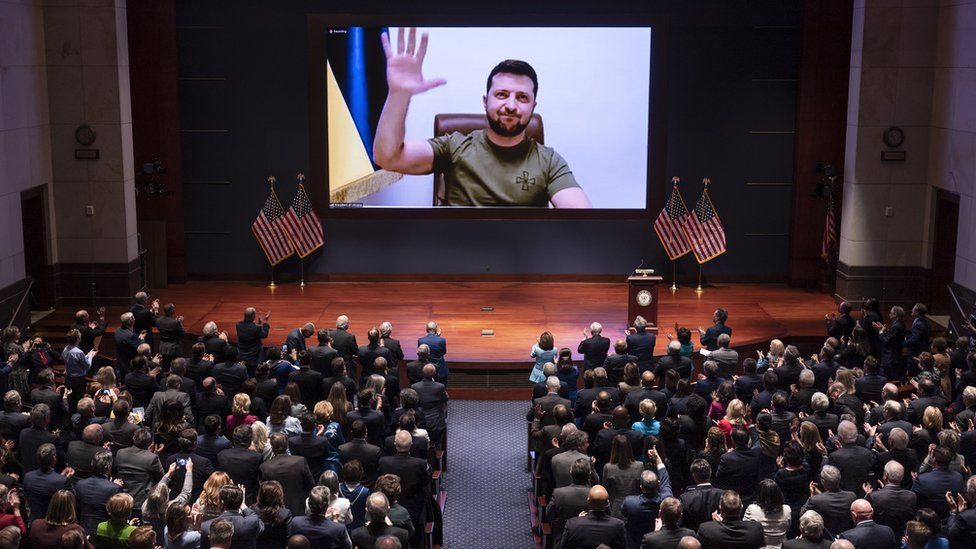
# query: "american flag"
{"type": "Point", "coordinates": [704, 229]}
{"type": "Point", "coordinates": [269, 229]}
{"type": "Point", "coordinates": [668, 225]}
{"type": "Point", "coordinates": [830, 232]}
{"type": "Point", "coordinates": [302, 225]}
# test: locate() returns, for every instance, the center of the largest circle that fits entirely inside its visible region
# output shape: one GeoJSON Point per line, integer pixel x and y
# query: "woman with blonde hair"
{"type": "Point", "coordinates": [845, 376]}
{"type": "Point", "coordinates": [735, 416]}
{"type": "Point", "coordinates": [261, 440]}
{"type": "Point", "coordinates": [543, 351]}
{"type": "Point", "coordinates": [105, 376]}
{"type": "Point", "coordinates": [208, 504]}
{"type": "Point", "coordinates": [157, 501]}
{"type": "Point", "coordinates": [772, 357]}
{"type": "Point", "coordinates": [331, 430]}
{"type": "Point", "coordinates": [240, 413]}
{"type": "Point", "coordinates": [814, 450]}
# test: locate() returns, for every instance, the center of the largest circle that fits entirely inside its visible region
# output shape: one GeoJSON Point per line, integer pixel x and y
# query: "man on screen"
{"type": "Point", "coordinates": [498, 166]}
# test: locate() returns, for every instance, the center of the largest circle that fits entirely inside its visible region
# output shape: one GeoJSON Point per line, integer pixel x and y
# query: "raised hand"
{"type": "Point", "coordinates": [404, 67]}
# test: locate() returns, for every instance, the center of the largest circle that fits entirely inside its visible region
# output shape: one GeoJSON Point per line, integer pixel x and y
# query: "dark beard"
{"type": "Point", "coordinates": [496, 126]}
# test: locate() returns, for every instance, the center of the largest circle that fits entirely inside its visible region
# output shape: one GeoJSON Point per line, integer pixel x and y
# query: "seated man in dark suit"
{"type": "Point", "coordinates": [214, 342]}
{"type": "Point", "coordinates": [674, 360]}
{"type": "Point", "coordinates": [12, 420]}
{"type": "Point", "coordinates": [811, 533]}
{"type": "Point", "coordinates": [926, 397]}
{"type": "Point", "coordinates": [320, 531]}
{"type": "Point", "coordinates": [247, 524]}
{"type": "Point", "coordinates": [830, 502]}
{"type": "Point", "coordinates": [894, 506]}
{"type": "Point", "coordinates": [199, 366]}
{"type": "Point", "coordinates": [614, 364]}
{"type": "Point", "coordinates": [594, 348]}
{"type": "Point", "coordinates": [749, 383]}
{"type": "Point", "coordinates": [241, 463]}
{"type": "Point", "coordinates": [738, 469]}
{"type": "Point", "coordinates": [596, 526]}
{"type": "Point", "coordinates": [867, 534]}
{"type": "Point", "coordinates": [539, 389]}
{"type": "Point", "coordinates": [250, 335]}
{"type": "Point", "coordinates": [709, 338]}
{"type": "Point", "coordinates": [47, 392]}
{"type": "Point", "coordinates": [640, 343]}
{"type": "Point", "coordinates": [701, 500]}
{"type": "Point", "coordinates": [731, 532]}
{"type": "Point", "coordinates": [35, 436]}
{"type": "Point", "coordinates": [870, 384]}
{"type": "Point", "coordinates": [340, 375]}
{"type": "Point", "coordinates": [670, 533]}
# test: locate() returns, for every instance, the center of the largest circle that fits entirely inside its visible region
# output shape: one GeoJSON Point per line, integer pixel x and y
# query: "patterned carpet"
{"type": "Point", "coordinates": [486, 481]}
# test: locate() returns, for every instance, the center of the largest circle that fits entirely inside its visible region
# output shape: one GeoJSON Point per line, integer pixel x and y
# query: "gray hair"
{"type": "Point", "coordinates": [675, 345]}
{"type": "Point", "coordinates": [128, 319]}
{"type": "Point", "coordinates": [842, 544]}
{"type": "Point", "coordinates": [596, 328]}
{"type": "Point", "coordinates": [386, 329]}
{"type": "Point", "coordinates": [552, 384]}
{"type": "Point", "coordinates": [969, 394]}
{"type": "Point", "coordinates": [894, 471]}
{"type": "Point", "coordinates": [431, 327]}
{"type": "Point", "coordinates": [830, 477]}
{"type": "Point", "coordinates": [210, 329]}
{"type": "Point", "coordinates": [342, 322]}
{"type": "Point", "coordinates": [640, 322]}
{"type": "Point", "coordinates": [377, 506]}
{"type": "Point", "coordinates": [847, 432]}
{"type": "Point", "coordinates": [807, 378]}
{"type": "Point", "coordinates": [724, 340]}
{"type": "Point", "coordinates": [819, 402]}
{"type": "Point", "coordinates": [894, 408]}
{"type": "Point", "coordinates": [811, 525]}
{"type": "Point", "coordinates": [549, 369]}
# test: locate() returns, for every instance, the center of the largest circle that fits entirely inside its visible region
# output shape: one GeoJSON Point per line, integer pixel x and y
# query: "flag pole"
{"type": "Point", "coordinates": [272, 285]}
{"type": "Point", "coordinates": [301, 260]}
{"type": "Point", "coordinates": [674, 280]}
{"type": "Point", "coordinates": [699, 288]}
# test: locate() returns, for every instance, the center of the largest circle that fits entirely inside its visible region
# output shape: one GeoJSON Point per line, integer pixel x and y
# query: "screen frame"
{"type": "Point", "coordinates": [318, 157]}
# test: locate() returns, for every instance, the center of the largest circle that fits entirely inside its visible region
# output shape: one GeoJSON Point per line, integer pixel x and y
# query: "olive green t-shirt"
{"type": "Point", "coordinates": [478, 172]}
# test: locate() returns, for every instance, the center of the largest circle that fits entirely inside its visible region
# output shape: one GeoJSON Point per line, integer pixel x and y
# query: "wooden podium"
{"type": "Point", "coordinates": [642, 299]}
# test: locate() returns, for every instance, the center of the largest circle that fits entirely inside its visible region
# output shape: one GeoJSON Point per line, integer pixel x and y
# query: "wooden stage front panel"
{"type": "Point", "coordinates": [521, 311]}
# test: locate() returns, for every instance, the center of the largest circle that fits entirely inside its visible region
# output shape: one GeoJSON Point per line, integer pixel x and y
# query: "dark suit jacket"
{"type": "Point", "coordinates": [842, 326]}
{"type": "Point", "coordinates": [295, 478]}
{"type": "Point", "coordinates": [869, 387]}
{"type": "Point", "coordinates": [79, 457]}
{"type": "Point", "coordinates": [321, 532]}
{"type": "Point", "coordinates": [739, 470]}
{"type": "Point", "coordinates": [295, 341]}
{"type": "Point", "coordinates": [368, 355]}
{"type": "Point", "coordinates": [745, 385]}
{"type": "Point", "coordinates": [247, 528]}
{"type": "Point", "coordinates": [145, 320]}
{"type": "Point", "coordinates": [415, 370]}
{"type": "Point", "coordinates": [710, 338]}
{"type": "Point", "coordinates": [140, 470]}
{"type": "Point", "coordinates": [249, 336]}
{"type": "Point", "coordinates": [614, 365]}
{"type": "Point", "coordinates": [88, 334]}
{"type": "Point", "coordinates": [855, 464]}
{"type": "Point", "coordinates": [665, 538]}
{"type": "Point", "coordinates": [704, 387]}
{"type": "Point", "coordinates": [395, 349]}
{"type": "Point", "coordinates": [160, 398]}
{"type": "Point", "coordinates": [314, 449]}
{"type": "Point", "coordinates": [835, 508]}
{"type": "Point", "coordinates": [310, 384]}
{"type": "Point", "coordinates": [804, 543]}
{"type": "Point", "coordinates": [918, 339]}
{"type": "Point", "coordinates": [567, 502]}
{"type": "Point", "coordinates": [961, 528]}
{"type": "Point", "coordinates": [594, 350]}
{"type": "Point", "coordinates": [893, 507]}
{"type": "Point", "coordinates": [697, 503]}
{"type": "Point", "coordinates": [673, 362]}
{"type": "Point", "coordinates": [347, 382]}
{"type": "Point", "coordinates": [39, 486]}
{"type": "Point", "coordinates": [230, 376]}
{"type": "Point", "coordinates": [142, 386]}
{"type": "Point", "coordinates": [432, 399]}
{"type": "Point", "coordinates": [414, 476]}
{"type": "Point", "coordinates": [547, 403]}
{"type": "Point", "coordinates": [321, 359]}
{"type": "Point", "coordinates": [92, 494]}
{"type": "Point", "coordinates": [366, 536]}
{"type": "Point", "coordinates": [870, 535]}
{"type": "Point", "coordinates": [641, 345]}
{"type": "Point", "coordinates": [12, 423]}
{"type": "Point", "coordinates": [210, 447]}
{"type": "Point", "coordinates": [438, 348]}
{"type": "Point", "coordinates": [202, 467]}
{"type": "Point", "coordinates": [731, 534]}
{"type": "Point", "coordinates": [539, 389]}
{"type": "Point", "coordinates": [368, 455]}
{"type": "Point", "coordinates": [198, 370]}
{"type": "Point", "coordinates": [345, 343]}
{"type": "Point", "coordinates": [892, 341]}
{"type": "Point", "coordinates": [931, 487]}
{"type": "Point", "coordinates": [215, 346]}
{"type": "Point", "coordinates": [244, 467]}
{"type": "Point", "coordinates": [593, 529]}
{"type": "Point", "coordinates": [126, 343]}
{"type": "Point", "coordinates": [634, 398]}
{"type": "Point", "coordinates": [30, 440]}
{"type": "Point", "coordinates": [375, 424]}
{"type": "Point", "coordinates": [171, 334]}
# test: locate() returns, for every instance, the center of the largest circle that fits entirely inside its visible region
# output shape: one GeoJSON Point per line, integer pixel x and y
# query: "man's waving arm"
{"type": "Point", "coordinates": [404, 77]}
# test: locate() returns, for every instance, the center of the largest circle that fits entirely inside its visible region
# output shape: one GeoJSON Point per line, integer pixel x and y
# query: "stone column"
{"type": "Point", "coordinates": [886, 230]}
{"type": "Point", "coordinates": [94, 200]}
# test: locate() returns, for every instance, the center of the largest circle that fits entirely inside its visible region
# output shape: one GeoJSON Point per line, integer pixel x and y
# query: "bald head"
{"type": "Point", "coordinates": [621, 417]}
{"type": "Point", "coordinates": [429, 370]}
{"type": "Point", "coordinates": [599, 499]}
{"type": "Point", "coordinates": [842, 544]}
{"type": "Point", "coordinates": [689, 542]}
{"type": "Point", "coordinates": [92, 434]}
{"type": "Point", "coordinates": [861, 510]}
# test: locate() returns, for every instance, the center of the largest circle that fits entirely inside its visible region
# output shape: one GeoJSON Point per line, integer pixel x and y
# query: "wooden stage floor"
{"type": "Point", "coordinates": [522, 310]}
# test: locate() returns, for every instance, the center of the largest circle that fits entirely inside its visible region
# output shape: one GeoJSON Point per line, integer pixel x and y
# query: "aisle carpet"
{"type": "Point", "coordinates": [486, 481]}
